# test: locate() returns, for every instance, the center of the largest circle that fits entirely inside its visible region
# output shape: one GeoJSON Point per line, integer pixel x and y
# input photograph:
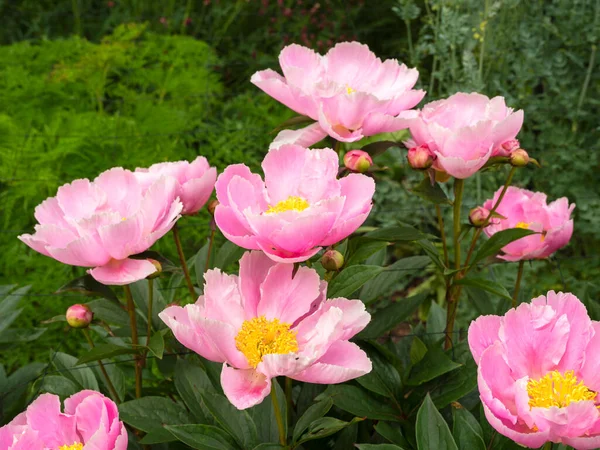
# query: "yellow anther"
{"type": "Point", "coordinates": [290, 204]}
{"type": "Point", "coordinates": [259, 337]}
{"type": "Point", "coordinates": [556, 389]}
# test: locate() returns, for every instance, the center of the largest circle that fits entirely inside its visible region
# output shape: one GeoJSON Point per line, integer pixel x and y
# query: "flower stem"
{"type": "Point", "coordinates": [277, 412]}
{"type": "Point", "coordinates": [134, 341]}
{"type": "Point", "coordinates": [288, 399]}
{"type": "Point", "coordinates": [213, 226]}
{"type": "Point", "coordinates": [458, 194]}
{"type": "Point", "coordinates": [518, 284]}
{"type": "Point", "coordinates": [547, 446]}
{"type": "Point", "coordinates": [184, 267]}
{"type": "Point", "coordinates": [453, 293]}
{"type": "Point", "coordinates": [111, 386]}
{"type": "Point", "coordinates": [149, 317]}
{"type": "Point", "coordinates": [438, 210]}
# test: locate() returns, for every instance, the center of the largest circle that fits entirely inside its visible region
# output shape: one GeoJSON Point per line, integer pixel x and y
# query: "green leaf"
{"type": "Point", "coordinates": [502, 238]}
{"type": "Point", "coordinates": [433, 194]}
{"type": "Point", "coordinates": [269, 446]}
{"type": "Point", "coordinates": [457, 384]}
{"type": "Point", "coordinates": [263, 416]}
{"type": "Point", "coordinates": [313, 413]}
{"type": "Point", "coordinates": [326, 426]}
{"type": "Point", "coordinates": [236, 422]}
{"type": "Point", "coordinates": [228, 254]}
{"type": "Point", "coordinates": [396, 233]}
{"type": "Point", "coordinates": [433, 253]}
{"type": "Point", "coordinates": [87, 285]}
{"type": "Point", "coordinates": [378, 447]}
{"type": "Point", "coordinates": [390, 316]}
{"type": "Point", "coordinates": [359, 249]}
{"type": "Point", "coordinates": [432, 430]}
{"type": "Point", "coordinates": [434, 364]}
{"type": "Point", "coordinates": [190, 382]}
{"type": "Point", "coordinates": [82, 375]}
{"type": "Point", "coordinates": [377, 148]}
{"type": "Point", "coordinates": [466, 430]}
{"type": "Point", "coordinates": [203, 437]}
{"type": "Point", "coordinates": [486, 284]}
{"type": "Point", "coordinates": [200, 263]}
{"type": "Point", "coordinates": [109, 312]}
{"type": "Point", "coordinates": [58, 385]}
{"type": "Point", "coordinates": [392, 433]}
{"type": "Point", "coordinates": [359, 403]}
{"type": "Point", "coordinates": [296, 120]}
{"type": "Point", "coordinates": [151, 414]}
{"type": "Point", "coordinates": [351, 279]}
{"type": "Point", "coordinates": [383, 379]}
{"type": "Point", "coordinates": [157, 344]}
{"type": "Point", "coordinates": [104, 351]}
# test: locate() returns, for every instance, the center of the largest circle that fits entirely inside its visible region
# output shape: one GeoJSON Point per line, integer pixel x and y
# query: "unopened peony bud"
{"type": "Point", "coordinates": [478, 216]}
{"type": "Point", "coordinates": [420, 158]}
{"type": "Point", "coordinates": [158, 269]}
{"type": "Point", "coordinates": [211, 206]}
{"type": "Point", "coordinates": [358, 161]}
{"type": "Point", "coordinates": [332, 260]}
{"type": "Point", "coordinates": [79, 316]}
{"type": "Point", "coordinates": [519, 158]}
{"type": "Point", "coordinates": [511, 146]}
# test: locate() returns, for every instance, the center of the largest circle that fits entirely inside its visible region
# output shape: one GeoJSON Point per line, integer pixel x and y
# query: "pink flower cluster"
{"type": "Point", "coordinates": [539, 372]}
{"type": "Point", "coordinates": [90, 421]}
{"type": "Point", "coordinates": [267, 322]}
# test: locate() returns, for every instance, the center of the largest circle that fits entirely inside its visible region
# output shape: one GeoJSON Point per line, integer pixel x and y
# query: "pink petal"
{"type": "Point", "coordinates": [520, 434]}
{"type": "Point", "coordinates": [28, 440]}
{"type": "Point", "coordinates": [287, 364]}
{"type": "Point", "coordinates": [120, 239]}
{"type": "Point", "coordinates": [571, 421]}
{"type": "Point", "coordinates": [304, 137]}
{"type": "Point", "coordinates": [347, 111]}
{"type": "Point", "coordinates": [508, 128]}
{"type": "Point", "coordinates": [244, 388]}
{"type": "Point", "coordinates": [405, 101]}
{"type": "Point", "coordinates": [80, 198]}
{"type": "Point", "coordinates": [460, 168]}
{"type": "Point", "coordinates": [584, 442]}
{"type": "Point", "coordinates": [590, 369]}
{"type": "Point", "coordinates": [343, 229]}
{"type": "Point", "coordinates": [160, 206]}
{"type": "Point", "coordinates": [378, 122]}
{"type": "Point", "coordinates": [358, 190]}
{"type": "Point", "coordinates": [49, 213]}
{"type": "Point", "coordinates": [222, 335]}
{"type": "Point", "coordinates": [222, 300]}
{"type": "Point", "coordinates": [85, 251]}
{"type": "Point", "coordinates": [233, 229]}
{"type": "Point", "coordinates": [123, 272]}
{"type": "Point", "coordinates": [349, 63]}
{"type": "Point", "coordinates": [286, 298]}
{"type": "Point", "coordinates": [355, 317]}
{"type": "Point", "coordinates": [48, 235]}
{"type": "Point", "coordinates": [54, 428]}
{"type": "Point", "coordinates": [301, 66]}
{"type": "Point", "coordinates": [319, 331]}
{"type": "Point", "coordinates": [283, 256]}
{"type": "Point", "coordinates": [483, 332]}
{"type": "Point", "coordinates": [343, 361]}
{"type": "Point", "coordinates": [394, 78]}
{"type": "Point", "coordinates": [93, 412]}
{"type": "Point", "coordinates": [122, 189]}
{"type": "Point", "coordinates": [254, 267]}
{"type": "Point", "coordinates": [196, 192]}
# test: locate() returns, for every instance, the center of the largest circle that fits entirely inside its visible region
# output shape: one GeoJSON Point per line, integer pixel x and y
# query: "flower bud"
{"type": "Point", "coordinates": [211, 206]}
{"type": "Point", "coordinates": [420, 158]}
{"type": "Point", "coordinates": [511, 146]}
{"type": "Point", "coordinates": [358, 161]}
{"type": "Point", "coordinates": [332, 260]}
{"type": "Point", "coordinates": [79, 316]}
{"type": "Point", "coordinates": [519, 158]}
{"type": "Point", "coordinates": [158, 269]}
{"type": "Point", "coordinates": [478, 216]}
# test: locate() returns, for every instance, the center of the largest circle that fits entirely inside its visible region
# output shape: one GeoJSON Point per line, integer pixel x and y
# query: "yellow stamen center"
{"type": "Point", "coordinates": [349, 90]}
{"type": "Point", "coordinates": [74, 446]}
{"type": "Point", "coordinates": [556, 389]}
{"type": "Point", "coordinates": [290, 204]}
{"type": "Point", "coordinates": [259, 337]}
{"type": "Point", "coordinates": [523, 225]}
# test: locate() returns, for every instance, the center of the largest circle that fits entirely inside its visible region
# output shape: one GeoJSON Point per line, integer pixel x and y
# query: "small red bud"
{"type": "Point", "coordinates": [332, 260]}
{"type": "Point", "coordinates": [420, 158]}
{"type": "Point", "coordinates": [79, 316]}
{"type": "Point", "coordinates": [519, 158]}
{"type": "Point", "coordinates": [478, 216]}
{"type": "Point", "coordinates": [358, 161]}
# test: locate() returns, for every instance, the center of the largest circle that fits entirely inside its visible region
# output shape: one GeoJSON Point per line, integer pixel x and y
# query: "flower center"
{"type": "Point", "coordinates": [556, 389]}
{"type": "Point", "coordinates": [74, 446]}
{"type": "Point", "coordinates": [290, 204]}
{"type": "Point", "coordinates": [349, 90]}
{"type": "Point", "coordinates": [523, 225]}
{"type": "Point", "coordinates": [259, 337]}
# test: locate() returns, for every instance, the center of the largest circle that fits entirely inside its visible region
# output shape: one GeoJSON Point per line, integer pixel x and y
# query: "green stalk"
{"type": "Point", "coordinates": [134, 341]}
{"type": "Point", "coordinates": [459, 186]}
{"type": "Point", "coordinates": [438, 210]}
{"type": "Point", "coordinates": [288, 399]}
{"type": "Point", "coordinates": [184, 267]}
{"type": "Point", "coordinates": [518, 284]}
{"type": "Point", "coordinates": [111, 386]}
{"type": "Point", "coordinates": [277, 411]}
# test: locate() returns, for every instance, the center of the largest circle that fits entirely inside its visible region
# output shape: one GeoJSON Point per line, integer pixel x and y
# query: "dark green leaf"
{"type": "Point", "coordinates": [190, 382]}
{"type": "Point", "coordinates": [383, 379]}
{"type": "Point", "coordinates": [434, 364]}
{"type": "Point", "coordinates": [457, 384]}
{"type": "Point", "coordinates": [377, 148]}
{"type": "Point", "coordinates": [151, 414]}
{"type": "Point", "coordinates": [378, 447]}
{"type": "Point", "coordinates": [466, 430]}
{"type": "Point", "coordinates": [433, 252]}
{"type": "Point", "coordinates": [432, 430]}
{"type": "Point", "coordinates": [487, 285]}
{"type": "Point", "coordinates": [325, 426]}
{"type": "Point", "coordinates": [157, 344]}
{"type": "Point", "coordinates": [359, 403]}
{"type": "Point", "coordinates": [104, 351]}
{"type": "Point", "coordinates": [396, 233]}
{"type": "Point", "coordinates": [313, 413]}
{"type": "Point", "coordinates": [236, 422]}
{"type": "Point", "coordinates": [14, 335]}
{"type": "Point", "coordinates": [109, 312]}
{"type": "Point", "coordinates": [203, 437]}
{"type": "Point", "coordinates": [166, 264]}
{"type": "Point", "coordinates": [361, 248]}
{"type": "Point", "coordinates": [87, 285]}
{"type": "Point", "coordinates": [59, 385]}
{"type": "Point", "coordinates": [228, 254]}
{"type": "Point", "coordinates": [264, 418]}
{"type": "Point", "coordinates": [200, 263]}
{"type": "Point", "coordinates": [392, 433]}
{"type": "Point", "coordinates": [296, 120]}
{"type": "Point", "coordinates": [390, 316]}
{"type": "Point", "coordinates": [269, 446]}
{"type": "Point", "coordinates": [351, 279]}
{"type": "Point", "coordinates": [502, 238]}
{"type": "Point", "coordinates": [433, 194]}
{"type": "Point", "coordinates": [81, 375]}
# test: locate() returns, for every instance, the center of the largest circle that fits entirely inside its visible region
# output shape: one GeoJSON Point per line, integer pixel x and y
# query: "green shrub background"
{"type": "Point", "coordinates": [88, 85]}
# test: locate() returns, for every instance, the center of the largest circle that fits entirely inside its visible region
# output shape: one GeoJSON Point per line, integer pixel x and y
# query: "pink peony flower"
{"type": "Point", "coordinates": [101, 223]}
{"type": "Point", "coordinates": [90, 421]}
{"type": "Point", "coordinates": [349, 91]}
{"type": "Point", "coordinates": [196, 180]}
{"type": "Point", "coordinates": [267, 323]}
{"type": "Point", "coordinates": [299, 208]}
{"type": "Point", "coordinates": [464, 131]}
{"type": "Point", "coordinates": [526, 209]}
{"type": "Point", "coordinates": [538, 372]}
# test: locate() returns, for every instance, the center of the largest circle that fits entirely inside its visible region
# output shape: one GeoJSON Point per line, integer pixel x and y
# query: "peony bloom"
{"type": "Point", "coordinates": [196, 180]}
{"type": "Point", "coordinates": [464, 131]}
{"type": "Point", "coordinates": [349, 91]}
{"type": "Point", "coordinates": [538, 372]}
{"type": "Point", "coordinates": [299, 208]}
{"type": "Point", "coordinates": [90, 421]}
{"type": "Point", "coordinates": [526, 209]}
{"type": "Point", "coordinates": [101, 223]}
{"type": "Point", "coordinates": [267, 323]}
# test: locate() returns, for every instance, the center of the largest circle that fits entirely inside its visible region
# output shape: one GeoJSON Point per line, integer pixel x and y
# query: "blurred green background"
{"type": "Point", "coordinates": [87, 85]}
